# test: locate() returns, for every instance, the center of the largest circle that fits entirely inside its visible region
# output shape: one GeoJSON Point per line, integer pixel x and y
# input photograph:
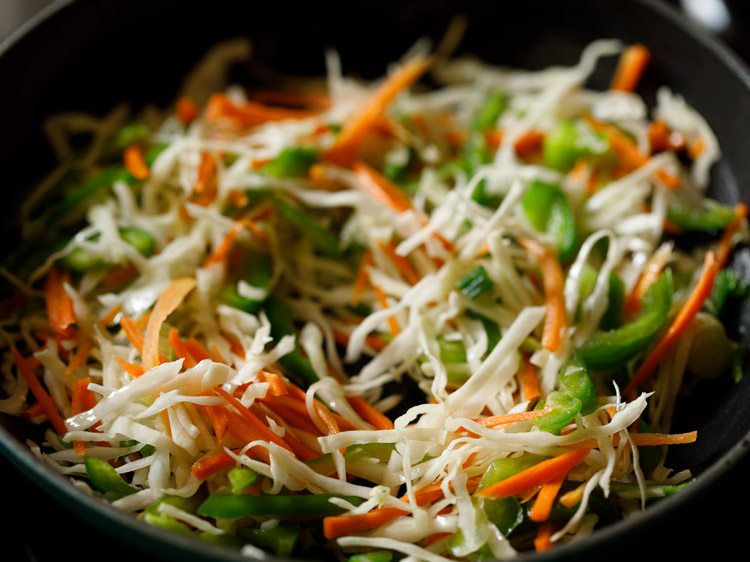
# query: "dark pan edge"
{"type": "Point", "coordinates": [101, 515]}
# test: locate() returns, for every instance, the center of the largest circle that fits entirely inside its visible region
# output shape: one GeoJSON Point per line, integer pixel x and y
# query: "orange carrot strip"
{"type": "Point", "coordinates": [653, 439]}
{"type": "Point", "coordinates": [375, 342]}
{"type": "Point", "coordinates": [295, 419]}
{"type": "Point", "coordinates": [81, 355]}
{"type": "Point", "coordinates": [275, 383]}
{"type": "Point", "coordinates": [135, 163]}
{"type": "Point", "coordinates": [543, 539]}
{"type": "Point", "coordinates": [206, 185]}
{"type": "Point", "coordinates": [248, 114]}
{"type": "Point", "coordinates": [234, 344]}
{"type": "Point", "coordinates": [109, 317]}
{"type": "Point", "coordinates": [402, 264]}
{"type": "Point", "coordinates": [365, 410]}
{"type": "Point", "coordinates": [169, 300]}
{"type": "Point", "coordinates": [179, 349]}
{"type": "Point", "coordinates": [542, 507]}
{"type": "Point", "coordinates": [132, 369]}
{"type": "Point", "coordinates": [82, 399]}
{"type": "Point", "coordinates": [44, 399]}
{"type": "Point", "coordinates": [529, 143]}
{"type": "Point", "coordinates": [381, 188]}
{"type": "Point", "coordinates": [221, 252]}
{"type": "Point", "coordinates": [503, 419]}
{"type": "Point", "coordinates": [59, 304]}
{"type": "Point", "coordinates": [362, 279]}
{"type": "Point", "coordinates": [298, 448]}
{"type": "Point", "coordinates": [119, 276]}
{"type": "Point", "coordinates": [537, 475]}
{"type": "Point", "coordinates": [212, 463]}
{"type": "Point", "coordinates": [33, 411]}
{"type": "Point", "coordinates": [219, 419]}
{"type": "Point", "coordinates": [383, 300]}
{"type": "Point", "coordinates": [724, 248]}
{"type": "Point", "coordinates": [649, 276]}
{"type": "Point", "coordinates": [686, 315]}
{"type": "Point", "coordinates": [344, 151]}
{"type": "Point", "coordinates": [198, 351]}
{"type": "Point", "coordinates": [296, 402]}
{"type": "Point", "coordinates": [633, 62]}
{"type": "Point", "coordinates": [554, 322]}
{"type": "Point", "coordinates": [529, 381]}
{"type": "Point", "coordinates": [238, 428]}
{"type": "Point", "coordinates": [187, 110]}
{"type": "Point", "coordinates": [252, 420]}
{"type": "Point", "coordinates": [299, 99]}
{"type": "Point", "coordinates": [574, 497]}
{"type": "Point", "coordinates": [132, 332]}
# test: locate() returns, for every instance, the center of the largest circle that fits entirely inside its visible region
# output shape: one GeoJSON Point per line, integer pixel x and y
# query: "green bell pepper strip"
{"type": "Point", "coordinates": [451, 351]}
{"type": "Point", "coordinates": [474, 283]}
{"type": "Point", "coordinates": [241, 478]}
{"type": "Point", "coordinates": [615, 296]}
{"type": "Point", "coordinates": [128, 135]}
{"type": "Point", "coordinates": [257, 271]}
{"type": "Point", "coordinates": [280, 539]}
{"type": "Point", "coordinates": [549, 211]}
{"type": "Point", "coordinates": [321, 237]}
{"type": "Point", "coordinates": [564, 408]}
{"type": "Point", "coordinates": [571, 141]}
{"type": "Point", "coordinates": [476, 153]}
{"type": "Point", "coordinates": [491, 329]}
{"type": "Point", "coordinates": [500, 469]}
{"type": "Point", "coordinates": [490, 111]}
{"type": "Point", "coordinates": [610, 349]}
{"type": "Point", "coordinates": [377, 556]}
{"type": "Point", "coordinates": [81, 260]}
{"type": "Point", "coordinates": [398, 172]}
{"type": "Point", "coordinates": [727, 285]}
{"type": "Point", "coordinates": [380, 451]}
{"type": "Point", "coordinates": [711, 216]}
{"type": "Point", "coordinates": [576, 381]}
{"type": "Point", "coordinates": [280, 318]}
{"type": "Point", "coordinates": [237, 507]}
{"type": "Point", "coordinates": [106, 479]}
{"type": "Point", "coordinates": [292, 162]}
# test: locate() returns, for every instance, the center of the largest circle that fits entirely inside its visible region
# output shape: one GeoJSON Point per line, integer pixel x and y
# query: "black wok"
{"type": "Point", "coordinates": [89, 56]}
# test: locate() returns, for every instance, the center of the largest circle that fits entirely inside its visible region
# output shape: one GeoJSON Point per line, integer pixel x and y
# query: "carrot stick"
{"type": "Point", "coordinates": [298, 99]}
{"type": "Point", "coordinates": [59, 304]}
{"type": "Point", "coordinates": [132, 332]}
{"type": "Point", "coordinates": [529, 143]}
{"type": "Point", "coordinates": [275, 383]}
{"type": "Point", "coordinates": [212, 463]}
{"type": "Point", "coordinates": [169, 300]}
{"type": "Point", "coordinates": [248, 114]}
{"type": "Point", "coordinates": [234, 345]}
{"type": "Point", "coordinates": [381, 188]}
{"type": "Point", "coordinates": [383, 300]}
{"type": "Point", "coordinates": [295, 418]}
{"type": "Point", "coordinates": [537, 475]}
{"type": "Point", "coordinates": [633, 62]}
{"type": "Point", "coordinates": [528, 381]}
{"type": "Point", "coordinates": [686, 315]}
{"type": "Point", "coordinates": [375, 342]}
{"type": "Point", "coordinates": [179, 349]}
{"type": "Point", "coordinates": [119, 276]}
{"type": "Point", "coordinates": [109, 317]}
{"type": "Point", "coordinates": [198, 351]}
{"type": "Point", "coordinates": [218, 418]}
{"type": "Point", "coordinates": [206, 185]}
{"type": "Point", "coordinates": [574, 497]}
{"type": "Point", "coordinates": [543, 539]}
{"type": "Point", "coordinates": [132, 369]}
{"type": "Point", "coordinates": [368, 413]}
{"type": "Point", "coordinates": [82, 399]}
{"type": "Point", "coordinates": [653, 439]}
{"type": "Point", "coordinates": [53, 415]}
{"type": "Point", "coordinates": [187, 110]}
{"type": "Point", "coordinates": [362, 279]}
{"type": "Point", "coordinates": [724, 248]}
{"type": "Point", "coordinates": [543, 503]}
{"type": "Point", "coordinates": [81, 354]}
{"type": "Point", "coordinates": [135, 163]}
{"type": "Point", "coordinates": [34, 411]}
{"type": "Point", "coordinates": [402, 264]}
{"type": "Point", "coordinates": [504, 419]}
{"type": "Point", "coordinates": [554, 322]}
{"type": "Point", "coordinates": [238, 428]}
{"type": "Point", "coordinates": [344, 151]}
{"type": "Point", "coordinates": [649, 276]}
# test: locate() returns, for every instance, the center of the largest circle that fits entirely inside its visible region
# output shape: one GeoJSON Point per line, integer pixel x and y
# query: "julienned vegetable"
{"type": "Point", "coordinates": [382, 320]}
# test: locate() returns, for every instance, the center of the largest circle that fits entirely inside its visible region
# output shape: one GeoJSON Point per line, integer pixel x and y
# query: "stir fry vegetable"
{"type": "Point", "coordinates": [448, 323]}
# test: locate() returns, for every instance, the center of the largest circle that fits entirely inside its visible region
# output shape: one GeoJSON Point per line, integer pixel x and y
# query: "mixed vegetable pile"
{"type": "Point", "coordinates": [393, 321]}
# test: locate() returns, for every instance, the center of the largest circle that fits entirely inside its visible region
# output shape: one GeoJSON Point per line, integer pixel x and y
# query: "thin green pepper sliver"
{"type": "Point", "coordinates": [236, 507]}
{"type": "Point", "coordinates": [377, 556]}
{"type": "Point", "coordinates": [242, 478]}
{"type": "Point", "coordinates": [280, 539]}
{"type": "Point", "coordinates": [280, 318]}
{"type": "Point", "coordinates": [257, 271]}
{"type": "Point", "coordinates": [611, 349]}
{"type": "Point", "coordinates": [81, 260]}
{"type": "Point", "coordinates": [549, 211]}
{"type": "Point", "coordinates": [570, 141]}
{"type": "Point", "coordinates": [711, 216]}
{"type": "Point", "coordinates": [292, 162]}
{"type": "Point", "coordinates": [474, 283]}
{"type": "Point", "coordinates": [490, 111]}
{"type": "Point", "coordinates": [106, 479]}
{"type": "Point", "coordinates": [321, 237]}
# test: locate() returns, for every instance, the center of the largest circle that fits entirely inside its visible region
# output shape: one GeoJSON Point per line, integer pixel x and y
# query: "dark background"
{"type": "Point", "coordinates": [37, 529]}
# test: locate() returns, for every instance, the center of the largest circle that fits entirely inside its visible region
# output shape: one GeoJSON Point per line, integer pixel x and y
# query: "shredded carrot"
{"type": "Point", "coordinates": [294, 99]}
{"type": "Point", "coordinates": [218, 418]}
{"type": "Point", "coordinates": [240, 429]}
{"type": "Point", "coordinates": [375, 342]}
{"type": "Point", "coordinates": [175, 342]}
{"type": "Point", "coordinates": [362, 279]}
{"type": "Point", "coordinates": [248, 114]}
{"type": "Point", "coordinates": [724, 248]}
{"type": "Point", "coordinates": [198, 351]}
{"type": "Point", "coordinates": [321, 177]}
{"type": "Point", "coordinates": [234, 344]}
{"type": "Point", "coordinates": [543, 539]}
{"type": "Point", "coordinates": [33, 411]}
{"type": "Point", "coordinates": [206, 186]}
{"type": "Point", "coordinates": [132, 369]}
{"type": "Point", "coordinates": [528, 381]}
{"type": "Point", "coordinates": [275, 383]}
{"type": "Point", "coordinates": [82, 400]}
{"type": "Point", "coordinates": [649, 276]}
{"type": "Point", "coordinates": [296, 419]}
{"type": "Point", "coordinates": [59, 304]}
{"type": "Point", "coordinates": [368, 413]}
{"type": "Point", "coordinates": [381, 188]}
{"type": "Point", "coordinates": [109, 317]}
{"type": "Point", "coordinates": [542, 507]}
{"type": "Point", "coordinates": [169, 300]}
{"type": "Point", "coordinates": [697, 148]}
{"type": "Point", "coordinates": [402, 264]}
{"type": "Point", "coordinates": [383, 300]}
{"type": "Point", "coordinates": [653, 439]}
{"type": "Point", "coordinates": [572, 498]}
{"type": "Point", "coordinates": [554, 322]}
{"type": "Point", "coordinates": [633, 62]}
{"type": "Point", "coordinates": [211, 463]}
{"type": "Point", "coordinates": [296, 401]}
{"type": "Point", "coordinates": [43, 398]}
{"type": "Point", "coordinates": [187, 110]}
{"type": "Point", "coordinates": [119, 276]}
{"type": "Point", "coordinates": [132, 332]}
{"type": "Point", "coordinates": [529, 143]}
{"type": "Point", "coordinates": [344, 151]}
{"type": "Point", "coordinates": [135, 163]}
{"type": "Point", "coordinates": [686, 315]}
{"type": "Point", "coordinates": [81, 355]}
{"type": "Point", "coordinates": [537, 475]}
{"type": "Point", "coordinates": [504, 419]}
{"type": "Point", "coordinates": [660, 138]}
